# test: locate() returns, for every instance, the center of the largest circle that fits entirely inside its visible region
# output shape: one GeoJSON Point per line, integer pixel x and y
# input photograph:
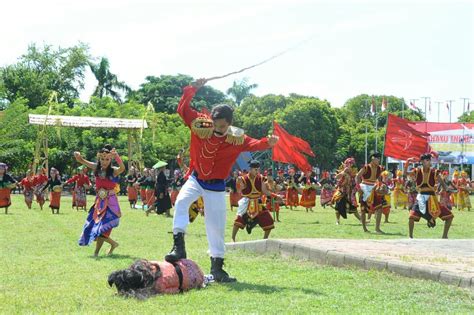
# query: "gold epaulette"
{"type": "Point", "coordinates": [203, 127]}
{"type": "Point", "coordinates": [235, 136]}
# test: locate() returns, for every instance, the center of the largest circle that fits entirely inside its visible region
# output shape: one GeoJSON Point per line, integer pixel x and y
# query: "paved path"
{"type": "Point", "coordinates": [449, 261]}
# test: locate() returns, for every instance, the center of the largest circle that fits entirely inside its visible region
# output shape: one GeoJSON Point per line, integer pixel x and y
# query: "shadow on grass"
{"type": "Point", "coordinates": [387, 233]}
{"type": "Point", "coordinates": [267, 289]}
{"type": "Point", "coordinates": [115, 256]}
{"type": "Point", "coordinates": [306, 223]}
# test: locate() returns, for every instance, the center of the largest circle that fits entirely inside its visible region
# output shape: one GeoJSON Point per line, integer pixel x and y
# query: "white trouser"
{"type": "Point", "coordinates": [243, 206]}
{"type": "Point", "coordinates": [214, 214]}
{"type": "Point", "coordinates": [422, 199]}
{"type": "Point", "coordinates": [366, 189]}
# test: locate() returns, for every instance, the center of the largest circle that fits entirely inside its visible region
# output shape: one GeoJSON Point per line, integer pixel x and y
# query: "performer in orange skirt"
{"type": "Point", "coordinates": [7, 183]}
{"type": "Point", "coordinates": [234, 194]}
{"type": "Point", "coordinates": [464, 187]}
{"type": "Point", "coordinates": [55, 185]}
{"type": "Point", "coordinates": [308, 197]}
{"type": "Point", "coordinates": [132, 192]}
{"type": "Point", "coordinates": [150, 189]}
{"type": "Point", "coordinates": [143, 185]}
{"type": "Point", "coordinates": [292, 198]}
{"type": "Point", "coordinates": [327, 189]}
{"type": "Point", "coordinates": [40, 181]}
{"type": "Point", "coordinates": [28, 183]}
{"type": "Point", "coordinates": [176, 184]}
{"type": "Point", "coordinates": [81, 184]}
{"type": "Point", "coordinates": [272, 203]}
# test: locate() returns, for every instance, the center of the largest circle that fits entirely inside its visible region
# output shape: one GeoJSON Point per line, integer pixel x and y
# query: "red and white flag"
{"type": "Point", "coordinates": [372, 108]}
{"type": "Point", "coordinates": [413, 106]}
{"type": "Point", "coordinates": [384, 104]}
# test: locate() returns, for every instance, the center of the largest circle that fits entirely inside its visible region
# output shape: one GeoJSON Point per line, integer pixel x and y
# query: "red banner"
{"type": "Point", "coordinates": [403, 141]}
{"type": "Point", "coordinates": [290, 149]}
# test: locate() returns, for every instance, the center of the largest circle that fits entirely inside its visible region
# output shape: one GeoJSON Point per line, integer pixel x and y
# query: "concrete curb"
{"type": "Point", "coordinates": [340, 259]}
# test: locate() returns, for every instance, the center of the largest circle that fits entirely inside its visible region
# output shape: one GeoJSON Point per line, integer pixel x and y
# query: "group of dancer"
{"type": "Point", "coordinates": [33, 186]}
{"type": "Point", "coordinates": [214, 148]}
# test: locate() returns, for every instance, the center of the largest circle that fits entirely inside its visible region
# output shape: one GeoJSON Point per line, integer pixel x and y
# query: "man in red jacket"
{"type": "Point", "coordinates": [215, 146]}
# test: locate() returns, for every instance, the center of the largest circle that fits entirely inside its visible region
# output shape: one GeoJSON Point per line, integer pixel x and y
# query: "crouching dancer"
{"type": "Point", "coordinates": [251, 210]}
{"type": "Point", "coordinates": [427, 205]}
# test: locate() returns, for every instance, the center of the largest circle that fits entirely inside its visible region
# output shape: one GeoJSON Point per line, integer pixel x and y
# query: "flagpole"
{"type": "Point", "coordinates": [439, 104]}
{"type": "Point", "coordinates": [464, 104]}
{"type": "Point", "coordinates": [426, 112]}
{"type": "Point", "coordinates": [450, 106]}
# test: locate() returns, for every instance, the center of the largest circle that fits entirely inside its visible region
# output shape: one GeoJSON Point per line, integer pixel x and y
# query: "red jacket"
{"type": "Point", "coordinates": [80, 180]}
{"type": "Point", "coordinates": [213, 158]}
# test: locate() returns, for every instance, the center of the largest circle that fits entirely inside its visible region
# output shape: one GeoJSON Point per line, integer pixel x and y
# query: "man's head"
{"type": "Point", "coordinates": [222, 116]}
{"type": "Point", "coordinates": [254, 167]}
{"type": "Point", "coordinates": [375, 158]}
{"type": "Point", "coordinates": [425, 160]}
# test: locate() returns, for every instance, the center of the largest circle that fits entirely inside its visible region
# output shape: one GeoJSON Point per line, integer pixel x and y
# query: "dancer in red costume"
{"type": "Point", "coordinates": [215, 146]}
{"type": "Point", "coordinates": [81, 185]}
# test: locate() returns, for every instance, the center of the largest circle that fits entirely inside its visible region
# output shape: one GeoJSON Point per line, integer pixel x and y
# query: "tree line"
{"type": "Point", "coordinates": [26, 86]}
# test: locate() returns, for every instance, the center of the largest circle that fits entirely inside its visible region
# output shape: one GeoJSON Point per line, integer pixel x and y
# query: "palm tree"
{"type": "Point", "coordinates": [108, 84]}
{"type": "Point", "coordinates": [240, 90]}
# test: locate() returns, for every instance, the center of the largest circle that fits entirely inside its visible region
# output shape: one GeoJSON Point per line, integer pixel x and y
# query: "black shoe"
{"type": "Point", "coordinates": [178, 251]}
{"type": "Point", "coordinates": [219, 274]}
{"type": "Point", "coordinates": [251, 223]}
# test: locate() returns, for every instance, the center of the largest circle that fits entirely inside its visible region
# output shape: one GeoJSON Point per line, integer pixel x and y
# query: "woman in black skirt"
{"type": "Point", "coordinates": [163, 199]}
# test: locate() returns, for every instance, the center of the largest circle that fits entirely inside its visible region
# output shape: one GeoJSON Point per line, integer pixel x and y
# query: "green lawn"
{"type": "Point", "coordinates": [43, 270]}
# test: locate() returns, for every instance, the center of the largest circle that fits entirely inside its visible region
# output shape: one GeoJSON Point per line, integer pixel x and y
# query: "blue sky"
{"type": "Point", "coordinates": [408, 49]}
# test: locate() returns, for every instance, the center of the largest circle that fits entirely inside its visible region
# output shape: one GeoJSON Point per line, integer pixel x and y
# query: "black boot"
{"type": "Point", "coordinates": [178, 251]}
{"type": "Point", "coordinates": [219, 274]}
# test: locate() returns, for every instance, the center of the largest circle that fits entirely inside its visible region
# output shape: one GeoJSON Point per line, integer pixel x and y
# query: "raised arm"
{"type": "Point", "coordinates": [121, 168]}
{"type": "Point", "coordinates": [184, 109]}
{"type": "Point", "coordinates": [405, 167]}
{"type": "Point", "coordinates": [83, 161]}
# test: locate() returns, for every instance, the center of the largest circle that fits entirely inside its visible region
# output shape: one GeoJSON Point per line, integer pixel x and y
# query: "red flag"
{"type": "Point", "coordinates": [298, 143]}
{"type": "Point", "coordinates": [402, 141]}
{"type": "Point", "coordinates": [290, 149]}
{"type": "Point", "coordinates": [413, 106]}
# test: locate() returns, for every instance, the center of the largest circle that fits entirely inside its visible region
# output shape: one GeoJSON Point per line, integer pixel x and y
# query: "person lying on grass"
{"type": "Point", "coordinates": [146, 278]}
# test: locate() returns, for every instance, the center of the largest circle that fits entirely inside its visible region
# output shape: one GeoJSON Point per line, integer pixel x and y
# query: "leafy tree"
{"type": "Point", "coordinates": [467, 117]}
{"type": "Point", "coordinates": [43, 70]}
{"type": "Point", "coordinates": [240, 90]}
{"type": "Point", "coordinates": [316, 122]}
{"type": "Point", "coordinates": [256, 114]}
{"type": "Point", "coordinates": [165, 91]}
{"type": "Point", "coordinates": [108, 83]}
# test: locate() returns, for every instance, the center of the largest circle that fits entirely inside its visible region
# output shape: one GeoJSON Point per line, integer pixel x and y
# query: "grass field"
{"type": "Point", "coordinates": [43, 270]}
